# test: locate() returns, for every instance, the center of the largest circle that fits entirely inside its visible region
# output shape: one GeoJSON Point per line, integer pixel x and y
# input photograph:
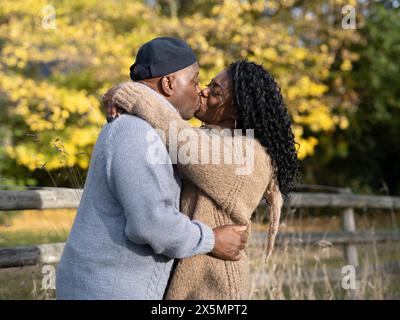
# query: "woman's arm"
{"type": "Point", "coordinates": [218, 164]}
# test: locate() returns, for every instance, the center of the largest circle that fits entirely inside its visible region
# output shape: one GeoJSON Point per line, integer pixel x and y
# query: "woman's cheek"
{"type": "Point", "coordinates": [213, 102]}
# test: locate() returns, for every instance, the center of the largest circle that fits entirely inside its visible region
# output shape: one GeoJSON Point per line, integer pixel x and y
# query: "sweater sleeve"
{"type": "Point", "coordinates": [220, 162]}
{"type": "Point", "coordinates": [275, 200]}
{"type": "Point", "coordinates": [143, 188]}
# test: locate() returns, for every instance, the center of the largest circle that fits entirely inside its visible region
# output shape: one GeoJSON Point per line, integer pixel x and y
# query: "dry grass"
{"type": "Point", "coordinates": [306, 273]}
{"type": "Point", "coordinates": [313, 271]}
{"type": "Point", "coordinates": [23, 284]}
{"type": "Point", "coordinates": [293, 272]}
{"type": "Point", "coordinates": [35, 226]}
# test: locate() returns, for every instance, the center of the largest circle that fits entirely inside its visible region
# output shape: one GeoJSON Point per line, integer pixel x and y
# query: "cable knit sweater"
{"type": "Point", "coordinates": [128, 228]}
{"type": "Point", "coordinates": [213, 193]}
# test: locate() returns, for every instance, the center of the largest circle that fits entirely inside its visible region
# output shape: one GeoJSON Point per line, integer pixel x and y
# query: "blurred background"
{"type": "Point", "coordinates": [337, 62]}
{"type": "Point", "coordinates": [341, 85]}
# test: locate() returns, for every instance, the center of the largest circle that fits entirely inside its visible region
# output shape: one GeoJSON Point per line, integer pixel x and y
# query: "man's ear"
{"type": "Point", "coordinates": [167, 85]}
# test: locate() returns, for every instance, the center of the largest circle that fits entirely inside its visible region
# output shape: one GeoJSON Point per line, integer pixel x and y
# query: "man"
{"type": "Point", "coordinates": [128, 228]}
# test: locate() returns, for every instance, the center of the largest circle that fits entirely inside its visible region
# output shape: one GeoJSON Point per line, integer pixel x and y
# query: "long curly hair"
{"type": "Point", "coordinates": [261, 107]}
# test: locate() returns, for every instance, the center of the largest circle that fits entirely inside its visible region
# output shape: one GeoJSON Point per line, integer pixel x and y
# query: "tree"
{"type": "Point", "coordinates": [51, 79]}
{"type": "Point", "coordinates": [372, 142]}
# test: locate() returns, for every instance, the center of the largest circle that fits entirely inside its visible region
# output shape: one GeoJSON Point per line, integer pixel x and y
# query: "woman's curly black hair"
{"type": "Point", "coordinates": [261, 107]}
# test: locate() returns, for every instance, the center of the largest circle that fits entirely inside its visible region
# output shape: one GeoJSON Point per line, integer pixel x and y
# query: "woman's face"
{"type": "Point", "coordinates": [217, 101]}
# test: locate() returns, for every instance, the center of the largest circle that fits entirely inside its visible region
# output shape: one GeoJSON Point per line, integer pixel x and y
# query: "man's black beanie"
{"type": "Point", "coordinates": [161, 56]}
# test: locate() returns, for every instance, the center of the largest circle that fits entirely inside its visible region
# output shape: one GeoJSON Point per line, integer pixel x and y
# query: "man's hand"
{"type": "Point", "coordinates": [229, 240]}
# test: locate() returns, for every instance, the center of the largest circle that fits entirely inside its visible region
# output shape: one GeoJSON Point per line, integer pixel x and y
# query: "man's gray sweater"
{"type": "Point", "coordinates": [128, 227]}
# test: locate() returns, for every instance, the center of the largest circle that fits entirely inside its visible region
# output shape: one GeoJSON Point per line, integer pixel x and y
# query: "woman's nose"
{"type": "Point", "coordinates": [205, 92]}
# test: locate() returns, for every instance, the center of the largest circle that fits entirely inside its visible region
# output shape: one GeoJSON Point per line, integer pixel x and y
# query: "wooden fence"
{"type": "Point", "coordinates": [349, 237]}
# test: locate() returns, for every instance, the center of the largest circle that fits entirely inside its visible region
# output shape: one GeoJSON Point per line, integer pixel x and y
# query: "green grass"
{"type": "Point", "coordinates": [26, 238]}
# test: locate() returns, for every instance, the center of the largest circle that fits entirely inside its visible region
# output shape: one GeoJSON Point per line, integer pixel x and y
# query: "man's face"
{"type": "Point", "coordinates": [186, 90]}
{"type": "Point", "coordinates": [180, 88]}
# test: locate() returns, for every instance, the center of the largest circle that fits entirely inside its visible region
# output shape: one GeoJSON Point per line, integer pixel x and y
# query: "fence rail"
{"type": "Point", "coordinates": [330, 238]}
{"type": "Point", "coordinates": [55, 198]}
{"type": "Point", "coordinates": [51, 253]}
{"type": "Point", "coordinates": [31, 255]}
{"type": "Point", "coordinates": [69, 198]}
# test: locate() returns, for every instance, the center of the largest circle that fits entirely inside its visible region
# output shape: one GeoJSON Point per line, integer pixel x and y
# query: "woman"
{"type": "Point", "coordinates": [244, 96]}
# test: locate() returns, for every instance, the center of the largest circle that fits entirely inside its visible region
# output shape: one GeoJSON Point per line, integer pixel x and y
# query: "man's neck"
{"type": "Point", "coordinates": [153, 84]}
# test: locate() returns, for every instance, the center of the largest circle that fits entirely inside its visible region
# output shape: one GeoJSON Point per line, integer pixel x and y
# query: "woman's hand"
{"type": "Point", "coordinates": [124, 98]}
{"type": "Point", "coordinates": [111, 109]}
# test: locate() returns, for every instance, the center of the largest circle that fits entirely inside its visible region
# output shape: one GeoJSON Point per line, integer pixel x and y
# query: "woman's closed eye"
{"type": "Point", "coordinates": [214, 91]}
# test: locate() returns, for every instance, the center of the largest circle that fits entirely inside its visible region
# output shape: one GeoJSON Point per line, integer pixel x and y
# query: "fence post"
{"type": "Point", "coordinates": [350, 249]}
{"type": "Point", "coordinates": [349, 224]}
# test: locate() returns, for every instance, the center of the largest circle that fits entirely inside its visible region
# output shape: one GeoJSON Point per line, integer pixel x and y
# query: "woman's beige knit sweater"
{"type": "Point", "coordinates": [214, 193]}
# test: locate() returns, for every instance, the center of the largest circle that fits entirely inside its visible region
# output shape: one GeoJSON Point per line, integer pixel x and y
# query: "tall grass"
{"type": "Point", "coordinates": [313, 270]}
{"type": "Point", "coordinates": [294, 272]}
{"type": "Point", "coordinates": [314, 273]}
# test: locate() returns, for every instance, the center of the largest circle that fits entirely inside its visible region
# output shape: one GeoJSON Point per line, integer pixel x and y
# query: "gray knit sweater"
{"type": "Point", "coordinates": [128, 227]}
